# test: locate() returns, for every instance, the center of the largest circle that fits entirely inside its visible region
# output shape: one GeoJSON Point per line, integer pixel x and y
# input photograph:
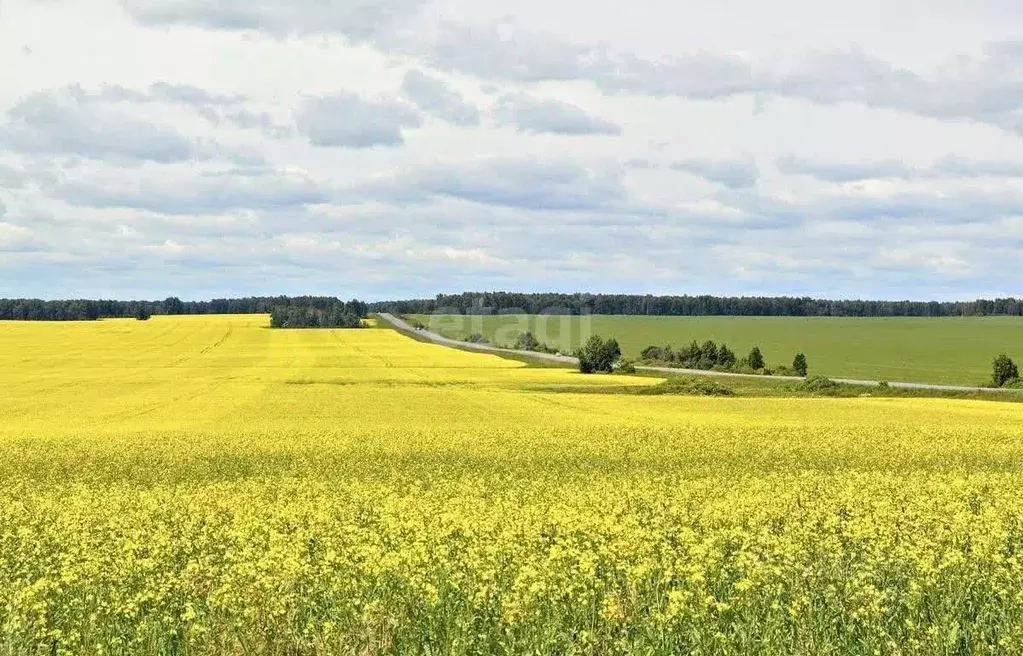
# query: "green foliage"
{"type": "Point", "coordinates": [726, 358]}
{"type": "Point", "coordinates": [695, 386]}
{"type": "Point", "coordinates": [477, 338]}
{"type": "Point", "coordinates": [526, 342]}
{"type": "Point", "coordinates": [799, 364]}
{"type": "Point", "coordinates": [883, 384]}
{"type": "Point", "coordinates": [338, 315]}
{"type": "Point", "coordinates": [815, 384]}
{"type": "Point", "coordinates": [948, 351]}
{"type": "Point", "coordinates": [625, 367]}
{"type": "Point", "coordinates": [755, 359]}
{"type": "Point", "coordinates": [1003, 370]}
{"type": "Point", "coordinates": [599, 355]}
{"type": "Point", "coordinates": [708, 356]}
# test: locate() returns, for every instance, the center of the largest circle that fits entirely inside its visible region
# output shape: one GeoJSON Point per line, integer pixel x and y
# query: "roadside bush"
{"type": "Point", "coordinates": [526, 342]}
{"type": "Point", "coordinates": [816, 384]}
{"type": "Point", "coordinates": [696, 387]}
{"type": "Point", "coordinates": [883, 384]}
{"type": "Point", "coordinates": [782, 370]}
{"type": "Point", "coordinates": [625, 367]}
{"type": "Point", "coordinates": [477, 338]}
{"type": "Point", "coordinates": [1015, 383]}
{"type": "Point", "coordinates": [1003, 370]}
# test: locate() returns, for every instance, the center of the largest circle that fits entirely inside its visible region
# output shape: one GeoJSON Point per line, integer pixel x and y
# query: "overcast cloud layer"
{"type": "Point", "coordinates": [405, 147]}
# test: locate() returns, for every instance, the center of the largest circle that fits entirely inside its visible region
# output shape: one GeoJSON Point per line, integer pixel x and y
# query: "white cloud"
{"type": "Point", "coordinates": [529, 114]}
{"type": "Point", "coordinates": [357, 21]}
{"type": "Point", "coordinates": [433, 96]}
{"type": "Point", "coordinates": [345, 120]}
{"type": "Point", "coordinates": [412, 147]}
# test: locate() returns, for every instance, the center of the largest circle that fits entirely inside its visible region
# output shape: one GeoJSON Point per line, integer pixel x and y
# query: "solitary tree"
{"type": "Point", "coordinates": [599, 355]}
{"type": "Point", "coordinates": [1003, 370]}
{"type": "Point", "coordinates": [799, 364]}
{"type": "Point", "coordinates": [755, 359]}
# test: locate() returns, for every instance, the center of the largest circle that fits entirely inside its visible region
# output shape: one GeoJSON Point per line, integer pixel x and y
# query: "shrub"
{"type": "Point", "coordinates": [1003, 369]}
{"type": "Point", "coordinates": [1015, 383]}
{"type": "Point", "coordinates": [816, 384]}
{"type": "Point", "coordinates": [625, 367]}
{"type": "Point", "coordinates": [477, 338]}
{"type": "Point", "coordinates": [696, 387]}
{"type": "Point", "coordinates": [526, 342]}
{"type": "Point", "coordinates": [657, 353]}
{"type": "Point", "coordinates": [782, 370]}
{"type": "Point", "coordinates": [883, 384]}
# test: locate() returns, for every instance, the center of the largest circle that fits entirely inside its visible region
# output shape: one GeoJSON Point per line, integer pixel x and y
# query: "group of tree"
{"type": "Point", "coordinates": [686, 305]}
{"type": "Point", "coordinates": [720, 358]}
{"type": "Point", "coordinates": [528, 342]}
{"type": "Point", "coordinates": [694, 356]}
{"type": "Point", "coordinates": [337, 314]}
{"type": "Point", "coordinates": [599, 355]}
{"type": "Point", "coordinates": [1004, 371]}
{"type": "Point", "coordinates": [31, 309]}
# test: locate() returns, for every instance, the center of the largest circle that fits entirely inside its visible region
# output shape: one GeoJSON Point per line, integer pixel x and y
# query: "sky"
{"type": "Point", "coordinates": [404, 148]}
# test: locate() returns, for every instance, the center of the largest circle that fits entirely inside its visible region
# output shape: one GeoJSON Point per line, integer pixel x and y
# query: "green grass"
{"type": "Point", "coordinates": [948, 350]}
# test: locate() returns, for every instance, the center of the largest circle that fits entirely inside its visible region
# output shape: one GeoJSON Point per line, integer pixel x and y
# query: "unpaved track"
{"type": "Point", "coordinates": [566, 359]}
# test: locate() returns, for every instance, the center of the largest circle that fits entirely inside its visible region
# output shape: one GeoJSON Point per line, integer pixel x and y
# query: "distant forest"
{"type": "Point", "coordinates": [324, 310]}
{"type": "Point", "coordinates": [749, 306]}
{"type": "Point", "coordinates": [293, 311]}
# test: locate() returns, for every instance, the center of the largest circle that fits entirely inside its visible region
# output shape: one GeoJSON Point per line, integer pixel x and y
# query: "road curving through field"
{"type": "Point", "coordinates": [404, 326]}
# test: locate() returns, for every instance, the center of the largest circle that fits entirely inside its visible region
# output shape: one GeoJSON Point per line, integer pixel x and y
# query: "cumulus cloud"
{"type": "Point", "coordinates": [843, 172]}
{"type": "Point", "coordinates": [359, 22]}
{"type": "Point", "coordinates": [948, 167]}
{"type": "Point", "coordinates": [12, 178]}
{"type": "Point", "coordinates": [222, 180]}
{"type": "Point", "coordinates": [346, 120]}
{"type": "Point", "coordinates": [517, 183]}
{"type": "Point", "coordinates": [986, 89]}
{"type": "Point", "coordinates": [207, 192]}
{"type": "Point", "coordinates": [217, 108]}
{"type": "Point", "coordinates": [57, 122]}
{"type": "Point", "coordinates": [962, 167]}
{"type": "Point", "coordinates": [529, 114]}
{"type": "Point", "coordinates": [433, 96]}
{"type": "Point", "coordinates": [184, 94]}
{"type": "Point", "coordinates": [734, 174]}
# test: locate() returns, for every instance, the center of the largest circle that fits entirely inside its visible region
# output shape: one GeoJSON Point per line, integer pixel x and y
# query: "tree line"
{"type": "Point", "coordinates": [703, 305]}
{"type": "Point", "coordinates": [297, 316]}
{"type": "Point", "coordinates": [30, 309]}
{"type": "Point", "coordinates": [711, 356]}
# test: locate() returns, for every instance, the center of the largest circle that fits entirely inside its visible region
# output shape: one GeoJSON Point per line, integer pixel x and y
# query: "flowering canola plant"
{"type": "Point", "coordinates": [205, 485]}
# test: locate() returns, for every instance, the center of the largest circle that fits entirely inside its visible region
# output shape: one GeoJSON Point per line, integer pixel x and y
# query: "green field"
{"type": "Point", "coordinates": [947, 350]}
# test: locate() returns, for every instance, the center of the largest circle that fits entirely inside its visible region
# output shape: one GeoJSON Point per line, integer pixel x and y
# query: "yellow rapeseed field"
{"type": "Point", "coordinates": [206, 485]}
